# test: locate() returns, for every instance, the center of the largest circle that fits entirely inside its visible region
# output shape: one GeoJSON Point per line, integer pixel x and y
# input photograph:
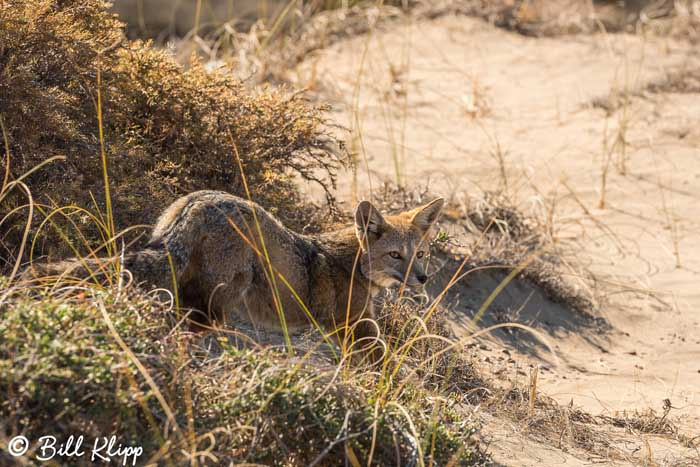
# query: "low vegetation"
{"type": "Point", "coordinates": [101, 362]}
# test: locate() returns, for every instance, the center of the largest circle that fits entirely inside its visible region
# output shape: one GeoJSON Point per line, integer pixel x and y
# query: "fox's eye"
{"type": "Point", "coordinates": [420, 254]}
{"type": "Point", "coordinates": [395, 254]}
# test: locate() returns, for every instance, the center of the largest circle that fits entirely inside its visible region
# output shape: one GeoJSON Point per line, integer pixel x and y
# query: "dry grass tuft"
{"type": "Point", "coordinates": [451, 371]}
{"type": "Point", "coordinates": [555, 424]}
{"type": "Point", "coordinates": [684, 81]}
{"type": "Point", "coordinates": [646, 421]}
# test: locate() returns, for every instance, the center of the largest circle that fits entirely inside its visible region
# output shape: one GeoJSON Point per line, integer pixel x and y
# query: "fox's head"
{"type": "Point", "coordinates": [395, 248]}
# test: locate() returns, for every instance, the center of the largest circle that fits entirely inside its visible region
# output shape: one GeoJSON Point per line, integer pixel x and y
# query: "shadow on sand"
{"type": "Point", "coordinates": [520, 301]}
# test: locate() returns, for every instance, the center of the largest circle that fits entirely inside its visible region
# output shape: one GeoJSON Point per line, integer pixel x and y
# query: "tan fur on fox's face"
{"type": "Point", "coordinates": [395, 248]}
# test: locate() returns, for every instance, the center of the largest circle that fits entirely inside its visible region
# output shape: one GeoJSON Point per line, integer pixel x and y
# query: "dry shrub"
{"type": "Point", "coordinates": [556, 424]}
{"type": "Point", "coordinates": [685, 80]}
{"type": "Point", "coordinates": [567, 425]}
{"type": "Point", "coordinates": [167, 130]}
{"type": "Point", "coordinates": [646, 421]}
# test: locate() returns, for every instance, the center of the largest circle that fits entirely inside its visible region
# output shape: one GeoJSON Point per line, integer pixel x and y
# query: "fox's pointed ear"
{"type": "Point", "coordinates": [368, 222]}
{"type": "Point", "coordinates": [424, 216]}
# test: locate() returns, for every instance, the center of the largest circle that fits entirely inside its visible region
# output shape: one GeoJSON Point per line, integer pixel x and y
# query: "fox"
{"type": "Point", "coordinates": [227, 257]}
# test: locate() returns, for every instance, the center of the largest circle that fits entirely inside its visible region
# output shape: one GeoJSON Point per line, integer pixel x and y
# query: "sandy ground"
{"type": "Point", "coordinates": [464, 107]}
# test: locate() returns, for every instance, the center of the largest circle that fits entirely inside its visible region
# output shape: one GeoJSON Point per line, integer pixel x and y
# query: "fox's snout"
{"type": "Point", "coordinates": [415, 278]}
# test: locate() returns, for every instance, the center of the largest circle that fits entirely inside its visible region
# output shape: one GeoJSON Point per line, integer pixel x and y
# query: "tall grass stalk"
{"type": "Point", "coordinates": [278, 22]}
{"type": "Point", "coordinates": [533, 390]}
{"type": "Point", "coordinates": [407, 46]}
{"type": "Point", "coordinates": [502, 285]}
{"type": "Point", "coordinates": [6, 145]}
{"type": "Point", "coordinates": [605, 166]}
{"type": "Point", "coordinates": [270, 274]}
{"type": "Point", "coordinates": [172, 420]}
{"type": "Point", "coordinates": [111, 247]}
{"type": "Point", "coordinates": [672, 224]}
{"type": "Point", "coordinates": [356, 140]}
{"type": "Point", "coordinates": [197, 16]}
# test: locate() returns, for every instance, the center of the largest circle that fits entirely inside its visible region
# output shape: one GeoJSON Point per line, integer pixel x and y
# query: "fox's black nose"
{"type": "Point", "coordinates": [422, 278]}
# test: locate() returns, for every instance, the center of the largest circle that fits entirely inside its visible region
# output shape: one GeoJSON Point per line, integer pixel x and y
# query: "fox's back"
{"type": "Point", "coordinates": [219, 207]}
{"type": "Point", "coordinates": [219, 238]}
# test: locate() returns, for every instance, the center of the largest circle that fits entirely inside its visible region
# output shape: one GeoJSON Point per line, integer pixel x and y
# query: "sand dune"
{"type": "Point", "coordinates": [462, 106]}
